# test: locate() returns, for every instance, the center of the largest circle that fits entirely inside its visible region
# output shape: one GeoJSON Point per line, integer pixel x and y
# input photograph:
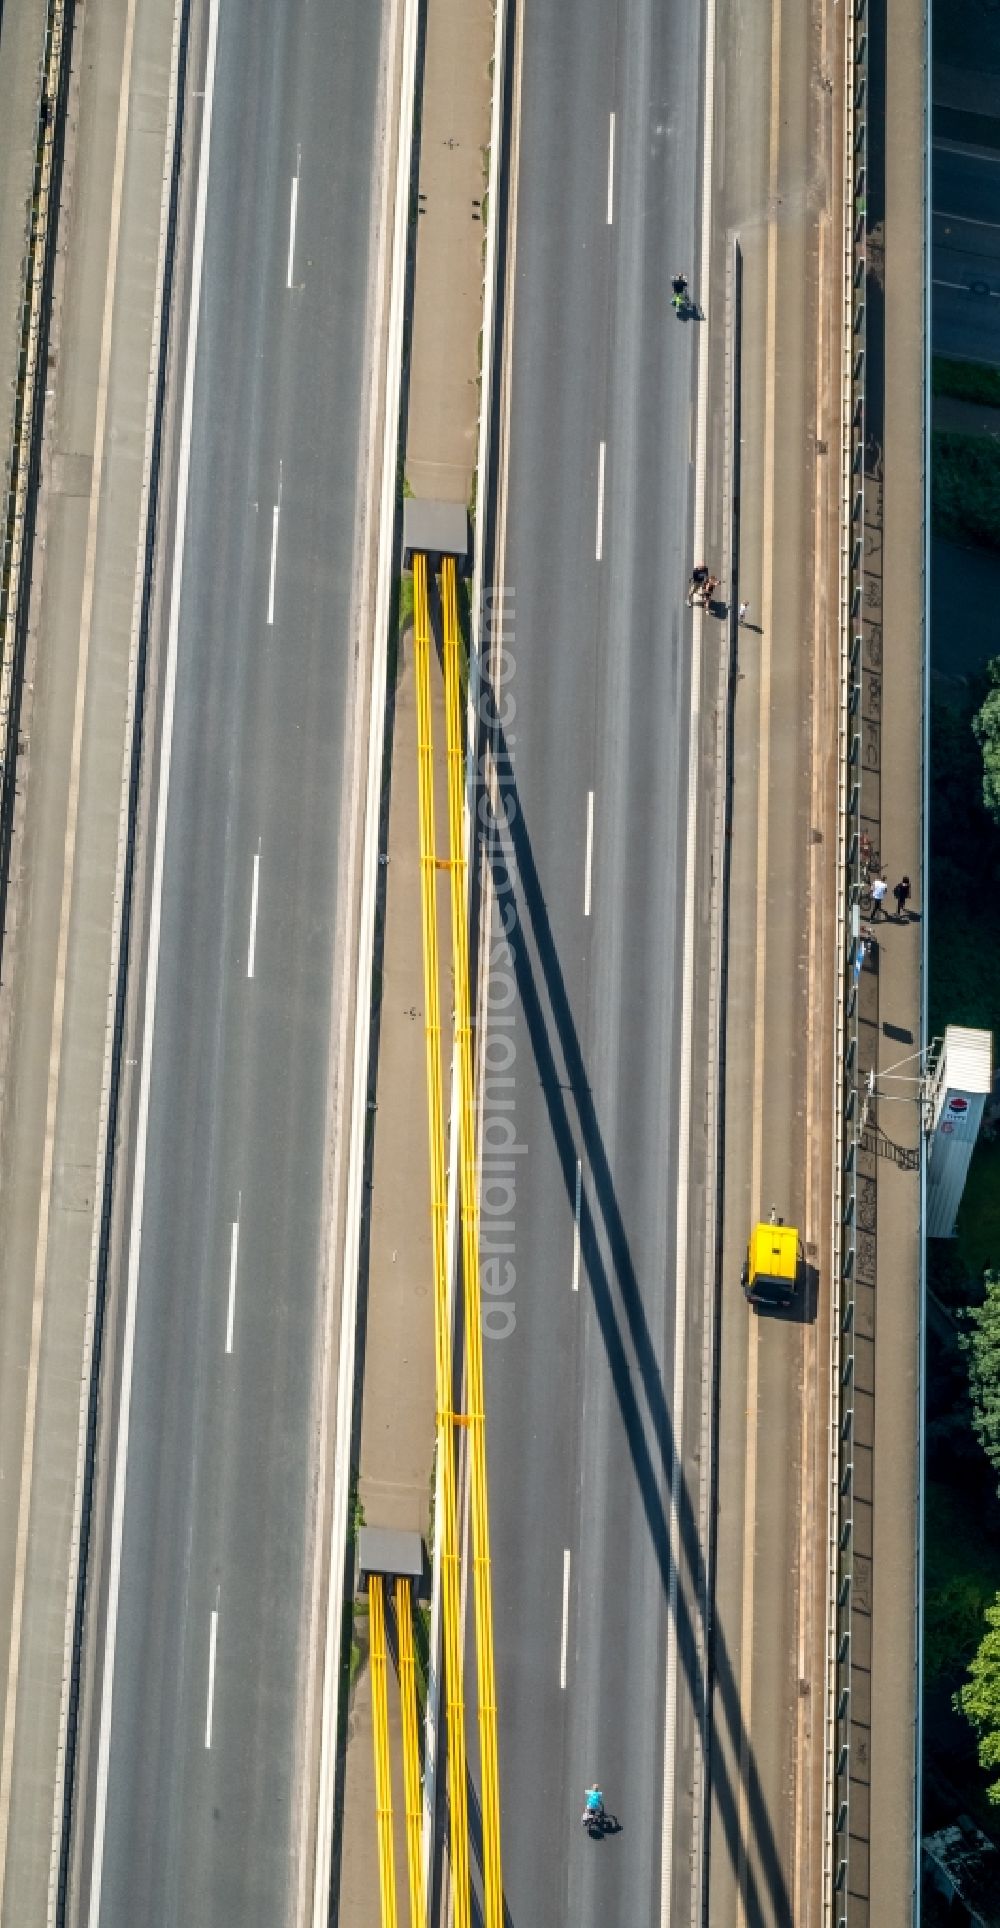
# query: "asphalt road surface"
{"type": "Point", "coordinates": [200, 1822]}
{"type": "Point", "coordinates": [595, 717]}
{"type": "Point", "coordinates": [966, 252]}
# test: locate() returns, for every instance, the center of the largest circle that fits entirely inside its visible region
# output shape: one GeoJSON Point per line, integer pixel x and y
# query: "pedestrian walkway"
{"type": "Point", "coordinates": [65, 876]}
{"type": "Point", "coordinates": [443, 418]}
{"type": "Point", "coordinates": [396, 1462]}
{"type": "Point", "coordinates": [22, 45]}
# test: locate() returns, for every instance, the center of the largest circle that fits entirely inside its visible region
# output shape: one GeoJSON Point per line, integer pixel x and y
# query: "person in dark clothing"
{"type": "Point", "coordinates": [902, 894]}
{"type": "Point", "coordinates": [699, 576]}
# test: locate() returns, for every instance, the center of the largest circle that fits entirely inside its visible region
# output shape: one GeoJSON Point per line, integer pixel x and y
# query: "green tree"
{"type": "Point", "coordinates": [979, 1699]}
{"type": "Point", "coordinates": [981, 1340]}
{"type": "Point", "coordinates": [986, 729]}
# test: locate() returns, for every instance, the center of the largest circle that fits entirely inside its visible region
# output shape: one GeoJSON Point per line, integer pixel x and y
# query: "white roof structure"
{"type": "Point", "coordinates": [970, 1055]}
{"type": "Point", "coordinates": [960, 1088]}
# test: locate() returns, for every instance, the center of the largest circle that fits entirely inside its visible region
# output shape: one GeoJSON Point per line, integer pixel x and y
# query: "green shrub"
{"type": "Point", "coordinates": [979, 1699]}
{"type": "Point", "coordinates": [964, 872]}
{"type": "Point", "coordinates": [965, 487]}
{"type": "Point", "coordinates": [961, 1575]}
{"type": "Point", "coordinates": [981, 1340]}
{"type": "Point", "coordinates": [986, 730]}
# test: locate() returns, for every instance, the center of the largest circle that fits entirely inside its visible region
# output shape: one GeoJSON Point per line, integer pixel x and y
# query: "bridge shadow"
{"type": "Point", "coordinates": [506, 855]}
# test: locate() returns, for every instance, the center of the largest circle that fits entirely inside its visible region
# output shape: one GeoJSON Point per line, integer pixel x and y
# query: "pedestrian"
{"type": "Point", "coordinates": [699, 576]}
{"type": "Point", "coordinates": [902, 894]}
{"type": "Point", "coordinates": [744, 613]}
{"type": "Point", "coordinates": [879, 889]}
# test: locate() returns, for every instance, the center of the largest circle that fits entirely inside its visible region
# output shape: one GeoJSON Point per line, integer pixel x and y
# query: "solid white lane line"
{"type": "Point", "coordinates": [291, 229]}
{"type": "Point", "coordinates": [589, 859]}
{"type": "Point", "coordinates": [962, 287]}
{"type": "Point", "coordinates": [686, 1080]}
{"type": "Point", "coordinates": [576, 1226]}
{"type": "Point", "coordinates": [213, 1638]}
{"type": "Point", "coordinates": [152, 972]}
{"type": "Point", "coordinates": [234, 1248]}
{"type": "Point", "coordinates": [611, 171]}
{"type": "Point", "coordinates": [564, 1643]}
{"type": "Point", "coordinates": [953, 147]}
{"type": "Point", "coordinates": [254, 891]}
{"type": "Point", "coordinates": [600, 502]}
{"type": "Point", "coordinates": [275, 514]}
{"type": "Point", "coordinates": [967, 220]}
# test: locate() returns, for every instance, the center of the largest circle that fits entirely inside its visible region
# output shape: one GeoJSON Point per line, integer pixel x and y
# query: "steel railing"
{"type": "Point", "coordinates": [851, 950]}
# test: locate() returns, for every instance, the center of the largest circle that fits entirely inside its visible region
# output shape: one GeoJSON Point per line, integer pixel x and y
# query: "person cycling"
{"type": "Point", "coordinates": [679, 284]}
{"type": "Point", "coordinates": [595, 1803]}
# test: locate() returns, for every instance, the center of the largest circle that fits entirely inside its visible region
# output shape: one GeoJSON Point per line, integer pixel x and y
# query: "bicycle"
{"type": "Point", "coordinates": [597, 1822]}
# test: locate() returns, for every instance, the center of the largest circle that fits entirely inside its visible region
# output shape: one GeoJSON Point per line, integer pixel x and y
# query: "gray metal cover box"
{"type": "Point", "coordinates": [385, 1550]}
{"type": "Point", "coordinates": [435, 529]}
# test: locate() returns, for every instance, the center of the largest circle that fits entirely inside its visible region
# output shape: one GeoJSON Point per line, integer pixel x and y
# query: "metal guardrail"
{"type": "Point", "coordinates": [852, 950]}
{"type": "Point", "coordinates": [19, 508]}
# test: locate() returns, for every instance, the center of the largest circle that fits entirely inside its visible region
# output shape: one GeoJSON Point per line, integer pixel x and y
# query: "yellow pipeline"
{"type": "Point", "coordinates": [482, 1584]}
{"type": "Point", "coordinates": [411, 1753]}
{"type": "Point", "coordinates": [450, 1602]}
{"type": "Point", "coordinates": [380, 1730]}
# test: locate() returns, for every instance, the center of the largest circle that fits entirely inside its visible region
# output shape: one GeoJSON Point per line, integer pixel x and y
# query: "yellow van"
{"type": "Point", "coordinates": [771, 1267]}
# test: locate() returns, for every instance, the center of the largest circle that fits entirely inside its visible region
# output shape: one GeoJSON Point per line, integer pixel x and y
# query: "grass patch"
{"type": "Point", "coordinates": [965, 487]}
{"type": "Point", "coordinates": [979, 1215]}
{"type": "Point", "coordinates": [962, 1577]}
{"type": "Point", "coordinates": [964, 969]}
{"type": "Point", "coordinates": [962, 1513]}
{"type": "Point", "coordinates": [359, 1638]}
{"type": "Point", "coordinates": [966, 381]}
{"type": "Point", "coordinates": [421, 1651]}
{"type": "Point", "coordinates": [404, 615]}
{"type": "Point", "coordinates": [965, 860]}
